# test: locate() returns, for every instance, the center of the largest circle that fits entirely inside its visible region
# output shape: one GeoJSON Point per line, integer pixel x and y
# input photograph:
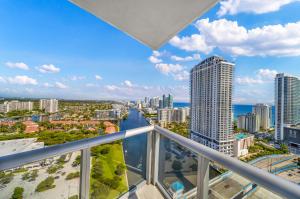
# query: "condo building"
{"type": "Point", "coordinates": [16, 105]}
{"type": "Point", "coordinates": [249, 122]}
{"type": "Point", "coordinates": [49, 105]}
{"type": "Point", "coordinates": [264, 113]}
{"type": "Point", "coordinates": [167, 101]}
{"type": "Point", "coordinates": [167, 115]}
{"type": "Point", "coordinates": [211, 104]}
{"type": "Point", "coordinates": [110, 114]}
{"type": "Point", "coordinates": [287, 103]}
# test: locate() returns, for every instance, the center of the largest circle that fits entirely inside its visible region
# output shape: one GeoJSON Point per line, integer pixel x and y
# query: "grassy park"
{"type": "Point", "coordinates": [108, 177]}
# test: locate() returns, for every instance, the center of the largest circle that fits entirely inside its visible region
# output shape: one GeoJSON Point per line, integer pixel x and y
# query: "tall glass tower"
{"type": "Point", "coordinates": [287, 103]}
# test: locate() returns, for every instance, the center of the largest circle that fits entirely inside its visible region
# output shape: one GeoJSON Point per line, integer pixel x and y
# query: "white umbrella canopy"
{"type": "Point", "coordinates": [152, 22]}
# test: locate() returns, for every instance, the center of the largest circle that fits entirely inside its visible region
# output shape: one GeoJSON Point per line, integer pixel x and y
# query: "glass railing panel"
{"type": "Point", "coordinates": [117, 167]}
{"type": "Point", "coordinates": [135, 154]}
{"type": "Point", "coordinates": [177, 169]}
{"type": "Point", "coordinates": [231, 185]}
{"type": "Point", "coordinates": [57, 177]}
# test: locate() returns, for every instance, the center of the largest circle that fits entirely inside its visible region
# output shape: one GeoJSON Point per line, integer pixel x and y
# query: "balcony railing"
{"type": "Point", "coordinates": [178, 166]}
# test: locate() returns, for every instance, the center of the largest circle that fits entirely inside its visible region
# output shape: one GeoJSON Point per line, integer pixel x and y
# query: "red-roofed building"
{"type": "Point", "coordinates": [31, 127]}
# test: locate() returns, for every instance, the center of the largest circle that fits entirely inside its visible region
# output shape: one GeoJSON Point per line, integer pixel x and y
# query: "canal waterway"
{"type": "Point", "coordinates": [135, 148]}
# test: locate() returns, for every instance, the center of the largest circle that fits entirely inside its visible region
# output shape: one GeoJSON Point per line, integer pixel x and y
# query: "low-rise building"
{"type": "Point", "coordinates": [31, 127]}
{"type": "Point", "coordinates": [241, 144]}
{"type": "Point", "coordinates": [292, 138]}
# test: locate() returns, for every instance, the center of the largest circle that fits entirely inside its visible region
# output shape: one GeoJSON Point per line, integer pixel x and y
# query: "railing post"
{"type": "Point", "coordinates": [156, 158]}
{"type": "Point", "coordinates": [149, 157]}
{"type": "Point", "coordinates": [85, 166]}
{"type": "Point", "coordinates": [202, 177]}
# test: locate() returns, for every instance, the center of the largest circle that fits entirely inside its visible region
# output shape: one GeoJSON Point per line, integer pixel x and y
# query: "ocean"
{"type": "Point", "coordinates": [238, 109]}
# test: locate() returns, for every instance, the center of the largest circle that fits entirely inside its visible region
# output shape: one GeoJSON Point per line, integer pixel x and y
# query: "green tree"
{"type": "Point", "coordinates": [46, 184]}
{"type": "Point", "coordinates": [120, 169]}
{"type": "Point", "coordinates": [18, 193]}
{"type": "Point", "coordinates": [177, 165]}
{"type": "Point", "coordinates": [71, 176]}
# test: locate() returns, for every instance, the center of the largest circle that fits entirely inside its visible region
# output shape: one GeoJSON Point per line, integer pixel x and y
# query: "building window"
{"type": "Point", "coordinates": [293, 134]}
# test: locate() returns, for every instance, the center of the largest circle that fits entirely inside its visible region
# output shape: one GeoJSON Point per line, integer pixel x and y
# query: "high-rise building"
{"type": "Point", "coordinates": [146, 101]}
{"type": "Point", "coordinates": [211, 104]}
{"type": "Point", "coordinates": [167, 101]}
{"type": "Point", "coordinates": [241, 122]}
{"type": "Point", "coordinates": [287, 103]}
{"type": "Point", "coordinates": [2, 108]}
{"type": "Point", "coordinates": [49, 105]}
{"type": "Point", "coordinates": [16, 105]}
{"type": "Point", "coordinates": [161, 104]}
{"type": "Point", "coordinates": [249, 122]}
{"type": "Point", "coordinates": [170, 101]}
{"type": "Point", "coordinates": [154, 102]}
{"type": "Point", "coordinates": [252, 123]}
{"type": "Point", "coordinates": [263, 111]}
{"type": "Point", "coordinates": [164, 101]}
{"type": "Point", "coordinates": [167, 115]}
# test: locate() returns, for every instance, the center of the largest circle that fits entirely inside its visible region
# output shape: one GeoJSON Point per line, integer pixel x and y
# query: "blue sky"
{"type": "Point", "coordinates": [55, 49]}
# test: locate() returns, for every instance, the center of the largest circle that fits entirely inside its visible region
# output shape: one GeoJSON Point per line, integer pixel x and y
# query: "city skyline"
{"type": "Point", "coordinates": [71, 59]}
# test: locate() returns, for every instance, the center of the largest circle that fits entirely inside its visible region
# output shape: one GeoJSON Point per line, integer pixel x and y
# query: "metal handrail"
{"type": "Point", "coordinates": [262, 178]}
{"type": "Point", "coordinates": [269, 181]}
{"type": "Point", "coordinates": [19, 159]}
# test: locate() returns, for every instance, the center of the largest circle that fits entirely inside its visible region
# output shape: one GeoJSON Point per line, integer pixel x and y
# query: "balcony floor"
{"type": "Point", "coordinates": [147, 192]}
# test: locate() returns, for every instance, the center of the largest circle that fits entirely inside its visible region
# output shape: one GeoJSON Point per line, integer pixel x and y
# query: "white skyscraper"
{"type": "Point", "coordinates": [287, 103]}
{"type": "Point", "coordinates": [211, 104]}
{"type": "Point", "coordinates": [49, 105]}
{"type": "Point", "coordinates": [263, 112]}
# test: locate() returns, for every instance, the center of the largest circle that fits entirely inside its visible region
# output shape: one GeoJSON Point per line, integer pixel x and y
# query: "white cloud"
{"type": "Point", "coordinates": [262, 76]}
{"type": "Point", "coordinates": [185, 59]}
{"type": "Point", "coordinates": [195, 42]}
{"type": "Point", "coordinates": [48, 68]}
{"type": "Point", "coordinates": [267, 74]}
{"type": "Point", "coordinates": [176, 70]}
{"type": "Point", "coordinates": [47, 85]}
{"type": "Point", "coordinates": [98, 77]}
{"type": "Point", "coordinates": [248, 80]}
{"type": "Point", "coordinates": [60, 85]}
{"type": "Point", "coordinates": [2, 79]}
{"type": "Point", "coordinates": [128, 83]}
{"type": "Point", "coordinates": [229, 37]}
{"type": "Point", "coordinates": [168, 68]}
{"type": "Point", "coordinates": [233, 7]}
{"type": "Point", "coordinates": [22, 80]}
{"type": "Point", "coordinates": [90, 85]}
{"type": "Point", "coordinates": [183, 75]}
{"type": "Point", "coordinates": [19, 65]}
{"type": "Point", "coordinates": [111, 87]}
{"type": "Point", "coordinates": [154, 60]}
{"type": "Point", "coordinates": [156, 53]}
{"type": "Point", "coordinates": [75, 78]}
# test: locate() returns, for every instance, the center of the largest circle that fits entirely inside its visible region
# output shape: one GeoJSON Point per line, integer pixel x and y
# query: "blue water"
{"type": "Point", "coordinates": [238, 109]}
{"type": "Point", "coordinates": [135, 147]}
